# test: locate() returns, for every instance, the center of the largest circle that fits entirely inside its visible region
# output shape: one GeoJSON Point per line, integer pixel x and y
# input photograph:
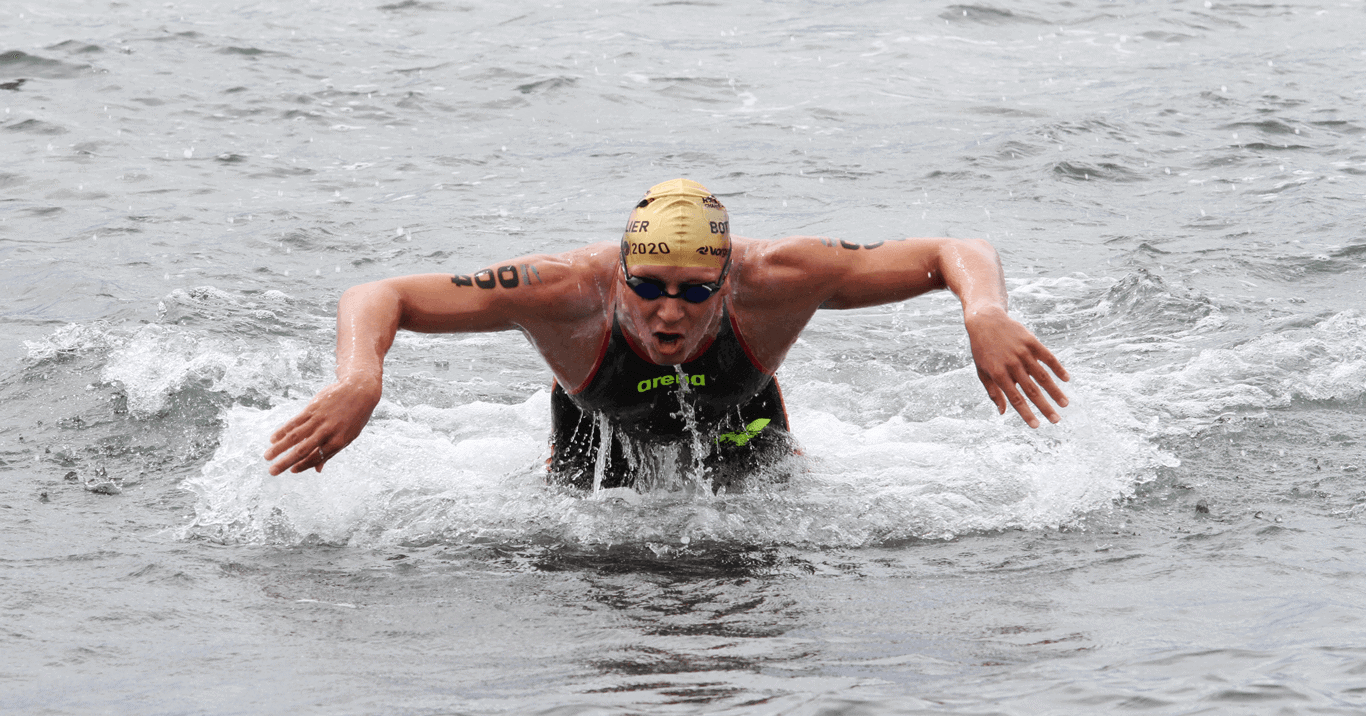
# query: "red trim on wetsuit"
{"type": "Point", "coordinates": [744, 346]}
{"type": "Point", "coordinates": [602, 353]}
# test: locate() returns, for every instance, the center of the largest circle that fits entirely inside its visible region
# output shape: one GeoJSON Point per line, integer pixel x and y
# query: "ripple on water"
{"type": "Point", "coordinates": [14, 63]}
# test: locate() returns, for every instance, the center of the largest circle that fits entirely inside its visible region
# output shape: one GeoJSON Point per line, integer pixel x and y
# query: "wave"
{"type": "Point", "coordinates": [18, 62]}
{"type": "Point", "coordinates": [474, 474]}
{"type": "Point", "coordinates": [900, 443]}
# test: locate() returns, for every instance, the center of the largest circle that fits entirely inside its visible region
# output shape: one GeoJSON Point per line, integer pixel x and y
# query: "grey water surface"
{"type": "Point", "coordinates": [1178, 193]}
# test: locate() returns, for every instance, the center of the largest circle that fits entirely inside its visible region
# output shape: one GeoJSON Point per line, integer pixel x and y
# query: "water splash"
{"type": "Point", "coordinates": [604, 451]}
{"type": "Point", "coordinates": [475, 474]}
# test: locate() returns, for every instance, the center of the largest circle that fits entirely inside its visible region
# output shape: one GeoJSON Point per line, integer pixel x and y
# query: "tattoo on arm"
{"type": "Point", "coordinates": [505, 276]}
{"type": "Point", "coordinates": [832, 243]}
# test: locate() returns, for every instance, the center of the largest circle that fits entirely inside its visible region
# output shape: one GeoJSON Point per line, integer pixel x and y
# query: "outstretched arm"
{"type": "Point", "coordinates": [1010, 359]}
{"type": "Point", "coordinates": [541, 295]}
{"type": "Point", "coordinates": [802, 274]}
{"type": "Point", "coordinates": [368, 317]}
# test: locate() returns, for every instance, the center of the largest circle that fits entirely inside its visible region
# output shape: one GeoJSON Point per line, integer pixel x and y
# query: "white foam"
{"type": "Point", "coordinates": [476, 472]}
{"type": "Point", "coordinates": [1326, 361]}
{"type": "Point", "coordinates": [71, 339]}
{"type": "Point", "coordinates": [157, 361]}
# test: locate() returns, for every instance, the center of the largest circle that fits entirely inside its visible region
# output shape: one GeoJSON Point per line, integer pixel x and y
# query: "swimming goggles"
{"type": "Point", "coordinates": [650, 289]}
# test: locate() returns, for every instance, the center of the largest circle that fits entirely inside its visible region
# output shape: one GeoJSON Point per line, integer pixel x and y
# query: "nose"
{"type": "Point", "coordinates": [672, 310]}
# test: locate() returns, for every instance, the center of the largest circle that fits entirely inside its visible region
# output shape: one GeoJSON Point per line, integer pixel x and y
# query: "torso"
{"type": "Point", "coordinates": [767, 328]}
{"type": "Point", "coordinates": [654, 400]}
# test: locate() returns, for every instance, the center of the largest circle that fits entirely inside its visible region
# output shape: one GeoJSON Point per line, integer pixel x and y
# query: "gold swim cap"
{"type": "Point", "coordinates": [678, 223]}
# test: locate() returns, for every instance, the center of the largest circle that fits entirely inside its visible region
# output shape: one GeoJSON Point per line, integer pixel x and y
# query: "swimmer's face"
{"type": "Point", "coordinates": [671, 330]}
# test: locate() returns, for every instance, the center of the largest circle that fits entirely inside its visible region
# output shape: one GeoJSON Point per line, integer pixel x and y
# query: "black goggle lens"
{"type": "Point", "coordinates": [650, 290]}
{"type": "Point", "coordinates": [695, 294]}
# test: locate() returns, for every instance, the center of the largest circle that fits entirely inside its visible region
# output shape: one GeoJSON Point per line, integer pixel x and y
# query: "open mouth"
{"type": "Point", "coordinates": [668, 339]}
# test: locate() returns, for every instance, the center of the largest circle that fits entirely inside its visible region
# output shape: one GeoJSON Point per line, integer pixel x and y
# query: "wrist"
{"type": "Point", "coordinates": [984, 310]}
{"type": "Point", "coordinates": [366, 382]}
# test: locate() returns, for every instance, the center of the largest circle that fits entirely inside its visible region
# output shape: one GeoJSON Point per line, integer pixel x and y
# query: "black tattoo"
{"type": "Point", "coordinates": [832, 243]}
{"type": "Point", "coordinates": [505, 276]}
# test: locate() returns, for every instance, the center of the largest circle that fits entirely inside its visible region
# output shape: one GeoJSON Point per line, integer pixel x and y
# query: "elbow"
{"type": "Point", "coordinates": [372, 299]}
{"type": "Point", "coordinates": [957, 251]}
{"type": "Point", "coordinates": [981, 245]}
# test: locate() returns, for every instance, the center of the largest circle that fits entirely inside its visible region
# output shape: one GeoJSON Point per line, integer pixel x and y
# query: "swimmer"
{"type": "Point", "coordinates": [670, 335]}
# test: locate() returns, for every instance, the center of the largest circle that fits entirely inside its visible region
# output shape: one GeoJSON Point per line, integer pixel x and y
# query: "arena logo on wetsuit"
{"type": "Point", "coordinates": [667, 380]}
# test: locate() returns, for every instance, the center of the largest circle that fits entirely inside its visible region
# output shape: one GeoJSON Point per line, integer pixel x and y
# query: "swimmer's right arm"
{"type": "Point", "coordinates": [368, 318]}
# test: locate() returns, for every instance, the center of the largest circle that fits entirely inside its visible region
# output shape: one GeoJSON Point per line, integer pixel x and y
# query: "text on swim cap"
{"type": "Point", "coordinates": [648, 384]}
{"type": "Point", "coordinates": [648, 247]}
{"type": "Point", "coordinates": [641, 226]}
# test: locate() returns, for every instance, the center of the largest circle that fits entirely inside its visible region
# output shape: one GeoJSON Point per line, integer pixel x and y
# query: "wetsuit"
{"type": "Point", "coordinates": [647, 406]}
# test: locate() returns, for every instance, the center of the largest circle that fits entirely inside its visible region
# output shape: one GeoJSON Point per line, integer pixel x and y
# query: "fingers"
{"type": "Point", "coordinates": [294, 448]}
{"type": "Point", "coordinates": [290, 434]}
{"type": "Point", "coordinates": [1052, 362]}
{"type": "Point", "coordinates": [293, 423]}
{"type": "Point", "coordinates": [314, 459]}
{"type": "Point", "coordinates": [1015, 367]}
{"type": "Point", "coordinates": [1018, 402]}
{"type": "Point", "coordinates": [1043, 378]}
{"type": "Point", "coordinates": [302, 457]}
{"type": "Point", "coordinates": [1024, 384]}
{"type": "Point", "coordinates": [289, 441]}
{"type": "Point", "coordinates": [1036, 396]}
{"type": "Point", "coordinates": [1002, 390]}
{"type": "Point", "coordinates": [993, 392]}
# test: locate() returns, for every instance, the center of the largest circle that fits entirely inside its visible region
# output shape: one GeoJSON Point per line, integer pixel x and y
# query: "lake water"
{"type": "Point", "coordinates": [1178, 193]}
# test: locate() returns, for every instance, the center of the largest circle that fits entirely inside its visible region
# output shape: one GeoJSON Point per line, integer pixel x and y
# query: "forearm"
{"type": "Point", "coordinates": [368, 317]}
{"type": "Point", "coordinates": [972, 270]}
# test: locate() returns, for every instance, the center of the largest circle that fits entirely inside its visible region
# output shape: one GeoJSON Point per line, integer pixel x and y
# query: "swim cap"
{"type": "Point", "coordinates": [678, 223]}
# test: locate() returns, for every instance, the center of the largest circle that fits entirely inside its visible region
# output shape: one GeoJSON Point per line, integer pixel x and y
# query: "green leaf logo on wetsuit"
{"type": "Point", "coordinates": [744, 436]}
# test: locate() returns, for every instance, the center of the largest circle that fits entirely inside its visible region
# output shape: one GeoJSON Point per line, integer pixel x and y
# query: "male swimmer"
{"type": "Point", "coordinates": [670, 336]}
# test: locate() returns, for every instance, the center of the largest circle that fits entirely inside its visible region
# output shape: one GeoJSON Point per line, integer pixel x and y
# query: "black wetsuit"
{"type": "Point", "coordinates": [721, 392]}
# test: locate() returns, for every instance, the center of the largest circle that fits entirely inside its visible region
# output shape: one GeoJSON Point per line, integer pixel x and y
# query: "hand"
{"type": "Point", "coordinates": [1009, 360]}
{"type": "Point", "coordinates": [329, 422]}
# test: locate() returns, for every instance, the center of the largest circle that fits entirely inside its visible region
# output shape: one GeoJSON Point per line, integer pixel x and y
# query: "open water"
{"type": "Point", "coordinates": [1177, 188]}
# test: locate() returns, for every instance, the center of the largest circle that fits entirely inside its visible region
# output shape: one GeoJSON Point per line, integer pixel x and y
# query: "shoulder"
{"type": "Point", "coordinates": [579, 278]}
{"type": "Point", "coordinates": [776, 263]}
{"type": "Point", "coordinates": [592, 261]}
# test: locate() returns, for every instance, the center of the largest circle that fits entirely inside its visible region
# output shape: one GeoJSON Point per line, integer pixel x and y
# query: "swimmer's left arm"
{"type": "Point", "coordinates": [1010, 359]}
